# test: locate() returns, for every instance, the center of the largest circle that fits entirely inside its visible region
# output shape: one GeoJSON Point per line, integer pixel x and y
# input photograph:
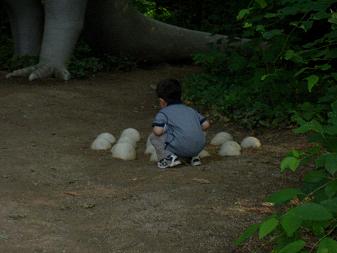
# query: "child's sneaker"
{"type": "Point", "coordinates": [195, 161]}
{"type": "Point", "coordinates": [169, 162]}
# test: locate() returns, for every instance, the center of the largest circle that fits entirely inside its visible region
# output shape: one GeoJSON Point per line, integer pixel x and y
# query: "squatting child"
{"type": "Point", "coordinates": [178, 130]}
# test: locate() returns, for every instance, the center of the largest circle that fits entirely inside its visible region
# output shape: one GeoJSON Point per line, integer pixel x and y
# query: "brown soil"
{"type": "Point", "coordinates": [57, 195]}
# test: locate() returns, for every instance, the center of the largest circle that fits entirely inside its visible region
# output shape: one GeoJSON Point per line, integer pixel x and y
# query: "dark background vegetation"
{"type": "Point", "coordinates": [285, 76]}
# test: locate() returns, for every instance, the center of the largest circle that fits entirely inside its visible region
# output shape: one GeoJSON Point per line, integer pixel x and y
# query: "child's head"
{"type": "Point", "coordinates": [169, 90]}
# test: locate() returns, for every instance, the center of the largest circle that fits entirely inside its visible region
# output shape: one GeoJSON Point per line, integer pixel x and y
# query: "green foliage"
{"type": "Point", "coordinates": [288, 65]}
{"type": "Point", "coordinates": [85, 62]}
{"type": "Point", "coordinates": [311, 220]}
{"type": "Point", "coordinates": [151, 9]}
{"type": "Point", "coordinates": [215, 16]}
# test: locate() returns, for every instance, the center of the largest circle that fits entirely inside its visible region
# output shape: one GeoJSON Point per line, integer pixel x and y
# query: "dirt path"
{"type": "Point", "coordinates": [56, 195]}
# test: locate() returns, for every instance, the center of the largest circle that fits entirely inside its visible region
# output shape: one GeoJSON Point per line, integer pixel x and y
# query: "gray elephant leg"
{"type": "Point", "coordinates": [26, 18]}
{"type": "Point", "coordinates": [63, 24]}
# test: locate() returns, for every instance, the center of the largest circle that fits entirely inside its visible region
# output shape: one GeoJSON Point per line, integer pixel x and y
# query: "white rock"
{"type": "Point", "coordinates": [250, 142]}
{"type": "Point", "coordinates": [107, 136]}
{"type": "Point", "coordinates": [204, 153]}
{"type": "Point", "coordinates": [149, 150]}
{"type": "Point", "coordinates": [131, 133]}
{"type": "Point", "coordinates": [230, 148]}
{"type": "Point", "coordinates": [154, 157]}
{"type": "Point", "coordinates": [148, 142]}
{"type": "Point", "coordinates": [127, 139]}
{"type": "Point", "coordinates": [100, 144]}
{"type": "Point", "coordinates": [124, 151]}
{"type": "Point", "coordinates": [220, 138]}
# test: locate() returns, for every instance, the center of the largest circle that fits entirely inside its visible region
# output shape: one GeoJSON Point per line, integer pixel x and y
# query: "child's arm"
{"type": "Point", "coordinates": [158, 130]}
{"type": "Point", "coordinates": [159, 123]}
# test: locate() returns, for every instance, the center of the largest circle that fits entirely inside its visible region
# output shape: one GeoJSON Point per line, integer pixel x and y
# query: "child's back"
{"type": "Point", "coordinates": [185, 136]}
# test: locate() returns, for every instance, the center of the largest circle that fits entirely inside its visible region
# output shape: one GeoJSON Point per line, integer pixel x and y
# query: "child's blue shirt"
{"type": "Point", "coordinates": [184, 134]}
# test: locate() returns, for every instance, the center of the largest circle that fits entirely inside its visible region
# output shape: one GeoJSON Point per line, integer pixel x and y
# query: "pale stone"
{"type": "Point", "coordinates": [154, 157]}
{"type": "Point", "coordinates": [204, 153]}
{"type": "Point", "coordinates": [131, 133]}
{"type": "Point", "coordinates": [100, 144]}
{"type": "Point", "coordinates": [124, 151]}
{"type": "Point", "coordinates": [149, 150]}
{"type": "Point", "coordinates": [127, 139]}
{"type": "Point", "coordinates": [250, 142]}
{"type": "Point", "coordinates": [107, 136]}
{"type": "Point", "coordinates": [230, 148]}
{"type": "Point", "coordinates": [220, 138]}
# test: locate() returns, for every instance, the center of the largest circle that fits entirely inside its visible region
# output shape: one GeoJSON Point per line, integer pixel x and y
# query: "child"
{"type": "Point", "coordinates": [177, 128]}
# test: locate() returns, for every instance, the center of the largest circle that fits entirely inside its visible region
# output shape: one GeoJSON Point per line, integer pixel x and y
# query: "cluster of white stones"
{"type": "Point", "coordinates": [103, 141]}
{"type": "Point", "coordinates": [228, 147]}
{"type": "Point", "coordinates": [125, 148]}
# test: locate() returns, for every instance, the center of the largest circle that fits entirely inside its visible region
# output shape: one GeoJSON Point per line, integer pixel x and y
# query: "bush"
{"type": "Point", "coordinates": [307, 221]}
{"type": "Point", "coordinates": [289, 62]}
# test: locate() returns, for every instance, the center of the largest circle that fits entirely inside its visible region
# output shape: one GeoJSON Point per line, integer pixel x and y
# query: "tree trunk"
{"type": "Point", "coordinates": [118, 28]}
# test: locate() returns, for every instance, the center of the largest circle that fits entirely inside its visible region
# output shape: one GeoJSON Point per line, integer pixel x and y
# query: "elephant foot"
{"type": "Point", "coordinates": [41, 71]}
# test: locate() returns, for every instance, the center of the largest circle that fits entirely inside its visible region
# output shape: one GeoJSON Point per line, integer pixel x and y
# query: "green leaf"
{"type": "Point", "coordinates": [247, 234]}
{"type": "Point", "coordinates": [312, 125]}
{"type": "Point", "coordinates": [290, 222]}
{"type": "Point", "coordinates": [271, 15]}
{"type": "Point", "coordinates": [242, 14]}
{"type": "Point", "coordinates": [318, 228]}
{"type": "Point", "coordinates": [312, 81]}
{"type": "Point", "coordinates": [260, 28]}
{"type": "Point", "coordinates": [333, 18]}
{"type": "Point", "coordinates": [264, 77]}
{"type": "Point", "coordinates": [267, 227]}
{"type": "Point", "coordinates": [293, 247]}
{"type": "Point", "coordinates": [289, 162]}
{"type": "Point", "coordinates": [272, 33]}
{"type": "Point", "coordinates": [324, 67]}
{"type": "Point", "coordinates": [283, 195]}
{"type": "Point", "coordinates": [301, 71]}
{"type": "Point", "coordinates": [327, 245]}
{"type": "Point", "coordinates": [312, 212]}
{"type": "Point", "coordinates": [314, 176]}
{"type": "Point", "coordinates": [331, 189]}
{"type": "Point", "coordinates": [293, 56]}
{"type": "Point", "coordinates": [320, 161]}
{"type": "Point", "coordinates": [262, 3]}
{"type": "Point", "coordinates": [331, 163]}
{"type": "Point", "coordinates": [330, 204]}
{"type": "Point", "coordinates": [247, 25]}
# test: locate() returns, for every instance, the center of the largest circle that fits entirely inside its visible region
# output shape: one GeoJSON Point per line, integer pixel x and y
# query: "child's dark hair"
{"type": "Point", "coordinates": [169, 90]}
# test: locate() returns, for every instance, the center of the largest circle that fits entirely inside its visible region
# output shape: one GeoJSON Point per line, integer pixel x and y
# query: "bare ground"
{"type": "Point", "coordinates": [57, 195]}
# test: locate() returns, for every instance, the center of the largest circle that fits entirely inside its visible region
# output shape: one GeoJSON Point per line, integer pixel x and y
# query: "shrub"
{"type": "Point", "coordinates": [288, 64]}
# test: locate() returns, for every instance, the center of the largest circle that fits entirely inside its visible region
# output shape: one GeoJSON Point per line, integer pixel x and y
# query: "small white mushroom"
{"type": "Point", "coordinates": [204, 153]}
{"type": "Point", "coordinates": [220, 138]}
{"type": "Point", "coordinates": [131, 133]}
{"type": "Point", "coordinates": [250, 142]}
{"type": "Point", "coordinates": [230, 148]}
{"type": "Point", "coordinates": [124, 151]}
{"type": "Point", "coordinates": [107, 136]}
{"type": "Point", "coordinates": [100, 144]}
